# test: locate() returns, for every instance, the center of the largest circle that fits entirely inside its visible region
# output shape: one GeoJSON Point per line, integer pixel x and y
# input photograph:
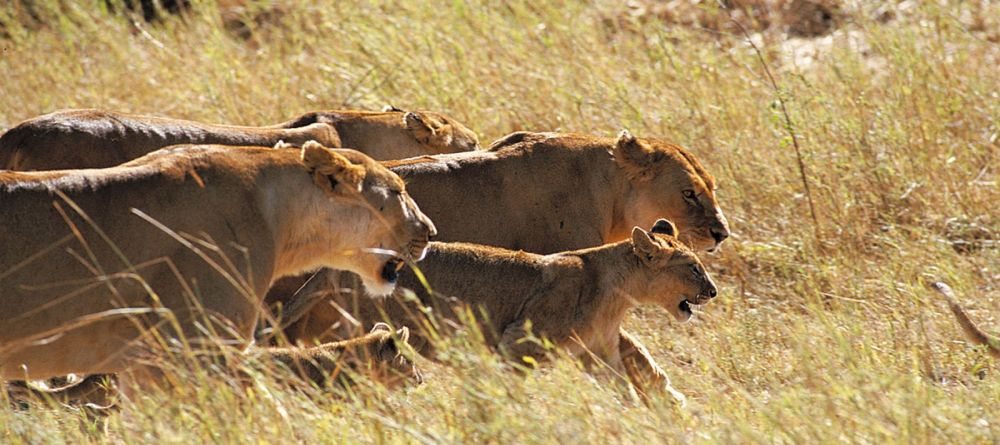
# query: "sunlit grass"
{"type": "Point", "coordinates": [822, 334]}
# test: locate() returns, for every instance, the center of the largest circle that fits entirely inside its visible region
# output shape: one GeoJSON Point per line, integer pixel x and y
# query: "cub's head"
{"type": "Point", "coordinates": [386, 226]}
{"type": "Point", "coordinates": [673, 275]}
{"type": "Point", "coordinates": [668, 181]}
{"type": "Point", "coordinates": [439, 133]}
{"type": "Point", "coordinates": [389, 357]}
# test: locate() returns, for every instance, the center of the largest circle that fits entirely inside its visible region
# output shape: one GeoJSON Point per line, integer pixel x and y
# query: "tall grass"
{"type": "Point", "coordinates": [823, 333]}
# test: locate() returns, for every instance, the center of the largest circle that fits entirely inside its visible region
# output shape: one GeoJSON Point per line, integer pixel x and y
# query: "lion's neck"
{"type": "Point", "coordinates": [611, 193]}
{"type": "Point", "coordinates": [619, 227]}
{"type": "Point", "coordinates": [301, 225]}
{"type": "Point", "coordinates": [616, 269]}
{"type": "Point", "coordinates": [601, 193]}
{"type": "Point", "coordinates": [379, 136]}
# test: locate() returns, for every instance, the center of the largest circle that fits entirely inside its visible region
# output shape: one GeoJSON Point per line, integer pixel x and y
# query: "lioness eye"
{"type": "Point", "coordinates": [689, 194]}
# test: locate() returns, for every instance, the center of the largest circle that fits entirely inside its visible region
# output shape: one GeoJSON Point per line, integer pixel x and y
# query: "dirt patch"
{"type": "Point", "coordinates": [803, 18]}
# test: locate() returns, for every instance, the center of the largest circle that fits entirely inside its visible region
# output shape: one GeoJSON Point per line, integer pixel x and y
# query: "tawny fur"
{"type": "Point", "coordinates": [552, 192]}
{"type": "Point", "coordinates": [547, 193]}
{"type": "Point", "coordinates": [376, 355]}
{"type": "Point", "coordinates": [96, 390]}
{"type": "Point", "coordinates": [256, 213]}
{"type": "Point", "coordinates": [90, 138]}
{"type": "Point", "coordinates": [576, 299]}
{"type": "Point", "coordinates": [972, 332]}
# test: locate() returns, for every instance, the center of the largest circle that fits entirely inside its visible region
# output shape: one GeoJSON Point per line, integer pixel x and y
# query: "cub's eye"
{"type": "Point", "coordinates": [689, 194]}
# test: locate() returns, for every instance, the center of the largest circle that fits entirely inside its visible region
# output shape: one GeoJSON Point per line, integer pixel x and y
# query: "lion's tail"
{"type": "Point", "coordinates": [972, 331]}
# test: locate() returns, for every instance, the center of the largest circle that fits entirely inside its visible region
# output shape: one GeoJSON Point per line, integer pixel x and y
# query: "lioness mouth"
{"type": "Point", "coordinates": [390, 271]}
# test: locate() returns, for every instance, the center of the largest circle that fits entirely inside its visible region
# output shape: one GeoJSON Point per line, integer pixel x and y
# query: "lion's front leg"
{"type": "Point", "coordinates": [642, 370]}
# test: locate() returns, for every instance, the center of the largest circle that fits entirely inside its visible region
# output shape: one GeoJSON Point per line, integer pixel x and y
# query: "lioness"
{"type": "Point", "coordinates": [576, 299]}
{"type": "Point", "coordinates": [972, 332]}
{"type": "Point", "coordinates": [552, 192]}
{"type": "Point", "coordinates": [97, 139]}
{"type": "Point", "coordinates": [186, 240]}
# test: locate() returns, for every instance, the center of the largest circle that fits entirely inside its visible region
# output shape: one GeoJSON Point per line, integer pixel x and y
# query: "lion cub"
{"type": "Point", "coordinates": [379, 355]}
{"type": "Point", "coordinates": [577, 299]}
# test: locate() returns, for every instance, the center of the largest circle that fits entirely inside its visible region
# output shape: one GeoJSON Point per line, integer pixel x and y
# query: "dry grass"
{"type": "Point", "coordinates": [822, 334]}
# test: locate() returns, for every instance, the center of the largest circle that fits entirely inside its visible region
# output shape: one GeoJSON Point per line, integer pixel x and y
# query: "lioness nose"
{"type": "Point", "coordinates": [719, 235]}
{"type": "Point", "coordinates": [712, 292]}
{"type": "Point", "coordinates": [431, 230]}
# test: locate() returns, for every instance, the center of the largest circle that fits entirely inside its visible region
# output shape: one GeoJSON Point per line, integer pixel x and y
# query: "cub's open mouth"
{"type": "Point", "coordinates": [685, 308]}
{"type": "Point", "coordinates": [390, 271]}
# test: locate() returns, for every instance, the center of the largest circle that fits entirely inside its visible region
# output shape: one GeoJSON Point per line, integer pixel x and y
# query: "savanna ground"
{"type": "Point", "coordinates": [825, 330]}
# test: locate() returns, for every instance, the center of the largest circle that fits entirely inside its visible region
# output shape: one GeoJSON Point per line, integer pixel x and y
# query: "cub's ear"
{"type": "Point", "coordinates": [391, 107]}
{"type": "Point", "coordinates": [634, 155]}
{"type": "Point", "coordinates": [420, 126]}
{"type": "Point", "coordinates": [380, 327]}
{"type": "Point", "coordinates": [665, 227]}
{"type": "Point", "coordinates": [404, 334]}
{"type": "Point", "coordinates": [328, 168]}
{"type": "Point", "coordinates": [642, 243]}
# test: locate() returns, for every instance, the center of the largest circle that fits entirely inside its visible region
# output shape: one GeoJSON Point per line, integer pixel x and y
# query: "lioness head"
{"type": "Point", "coordinates": [440, 133]}
{"type": "Point", "coordinates": [388, 217]}
{"type": "Point", "coordinates": [668, 181]}
{"type": "Point", "coordinates": [674, 276]}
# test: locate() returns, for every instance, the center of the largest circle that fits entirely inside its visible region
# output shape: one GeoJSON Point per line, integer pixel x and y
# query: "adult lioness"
{"type": "Point", "coordinates": [576, 299]}
{"type": "Point", "coordinates": [552, 192]}
{"type": "Point", "coordinates": [96, 138]}
{"type": "Point", "coordinates": [394, 133]}
{"type": "Point", "coordinates": [186, 240]}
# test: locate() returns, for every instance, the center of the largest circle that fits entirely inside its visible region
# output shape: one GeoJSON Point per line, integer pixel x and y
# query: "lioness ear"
{"type": "Point", "coordinates": [644, 245]}
{"type": "Point", "coordinates": [420, 126]}
{"type": "Point", "coordinates": [391, 107]}
{"type": "Point", "coordinates": [634, 155]}
{"type": "Point", "coordinates": [380, 327]}
{"type": "Point", "coordinates": [664, 227]}
{"type": "Point", "coordinates": [328, 168]}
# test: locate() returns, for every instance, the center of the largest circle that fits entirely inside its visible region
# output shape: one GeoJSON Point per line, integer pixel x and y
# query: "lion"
{"type": "Point", "coordinates": [181, 245]}
{"type": "Point", "coordinates": [379, 355]}
{"type": "Point", "coordinates": [972, 332]}
{"type": "Point", "coordinates": [89, 138]}
{"type": "Point", "coordinates": [546, 193]}
{"type": "Point", "coordinates": [577, 299]}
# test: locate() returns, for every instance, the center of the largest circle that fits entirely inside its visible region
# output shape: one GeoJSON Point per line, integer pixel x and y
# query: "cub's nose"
{"type": "Point", "coordinates": [710, 289]}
